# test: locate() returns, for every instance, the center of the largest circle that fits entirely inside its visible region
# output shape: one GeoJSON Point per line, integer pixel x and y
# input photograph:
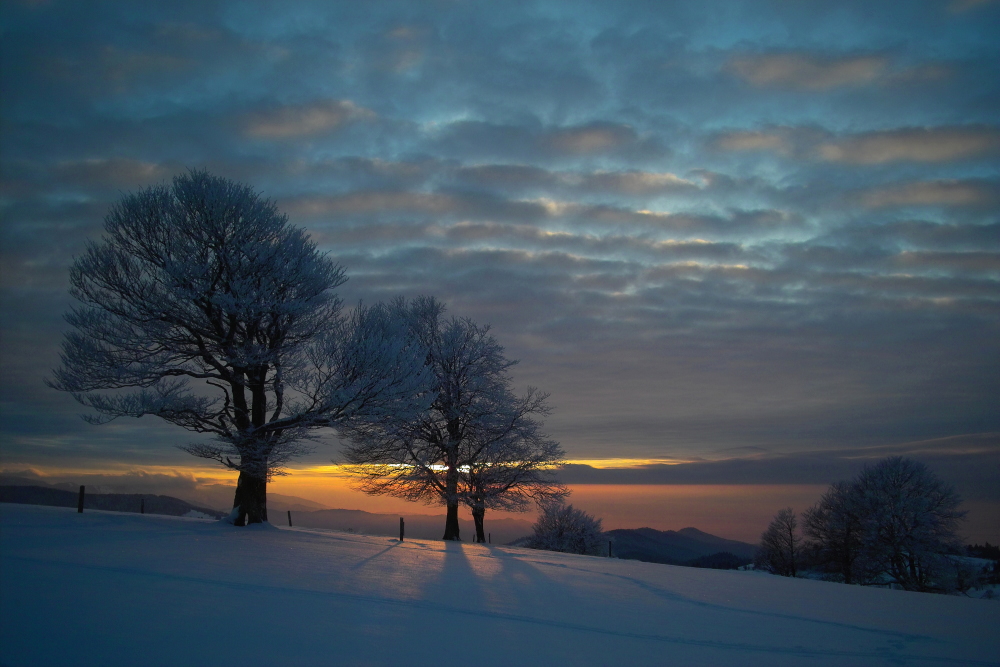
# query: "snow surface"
{"type": "Point", "coordinates": [103, 588]}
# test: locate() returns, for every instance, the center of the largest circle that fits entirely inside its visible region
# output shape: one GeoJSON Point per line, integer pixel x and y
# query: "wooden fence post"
{"type": "Point", "coordinates": [289, 518]}
{"type": "Point", "coordinates": [401, 525]}
{"type": "Point", "coordinates": [489, 538]}
{"type": "Point", "coordinates": [79, 504]}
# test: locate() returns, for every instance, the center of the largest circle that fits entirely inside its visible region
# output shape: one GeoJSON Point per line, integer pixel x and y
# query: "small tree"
{"type": "Point", "coordinates": [473, 419]}
{"type": "Point", "coordinates": [516, 466]}
{"type": "Point", "coordinates": [204, 307]}
{"type": "Point", "coordinates": [778, 552]}
{"type": "Point", "coordinates": [562, 527]}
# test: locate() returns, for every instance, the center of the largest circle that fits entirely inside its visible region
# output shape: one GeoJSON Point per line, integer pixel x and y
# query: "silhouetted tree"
{"type": "Point", "coordinates": [204, 307]}
{"type": "Point", "coordinates": [834, 530]}
{"type": "Point", "coordinates": [909, 518]}
{"type": "Point", "coordinates": [779, 552]}
{"type": "Point", "coordinates": [465, 445]}
{"type": "Point", "coordinates": [515, 465]}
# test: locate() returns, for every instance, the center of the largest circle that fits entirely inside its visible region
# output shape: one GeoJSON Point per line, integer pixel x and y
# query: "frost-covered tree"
{"type": "Point", "coordinates": [779, 549]}
{"type": "Point", "coordinates": [514, 465]}
{"type": "Point", "coordinates": [909, 518]}
{"type": "Point", "coordinates": [474, 422]}
{"type": "Point", "coordinates": [562, 527]}
{"type": "Point", "coordinates": [202, 306]}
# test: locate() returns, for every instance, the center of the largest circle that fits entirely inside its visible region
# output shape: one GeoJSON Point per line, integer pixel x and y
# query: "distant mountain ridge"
{"type": "Point", "coordinates": [688, 546]}
{"type": "Point", "coordinates": [113, 502]}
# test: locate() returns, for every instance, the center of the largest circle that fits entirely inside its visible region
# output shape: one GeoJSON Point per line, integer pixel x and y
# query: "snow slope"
{"type": "Point", "coordinates": [124, 589]}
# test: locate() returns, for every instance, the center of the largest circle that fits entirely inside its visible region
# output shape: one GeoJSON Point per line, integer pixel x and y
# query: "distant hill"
{"type": "Point", "coordinates": [7, 479]}
{"type": "Point", "coordinates": [114, 502]}
{"type": "Point", "coordinates": [221, 500]}
{"type": "Point", "coordinates": [688, 546]}
{"type": "Point", "coordinates": [281, 503]}
{"type": "Point", "coordinates": [418, 526]}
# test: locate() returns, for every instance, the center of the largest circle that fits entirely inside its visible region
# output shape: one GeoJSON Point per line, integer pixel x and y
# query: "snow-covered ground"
{"type": "Point", "coordinates": [126, 589]}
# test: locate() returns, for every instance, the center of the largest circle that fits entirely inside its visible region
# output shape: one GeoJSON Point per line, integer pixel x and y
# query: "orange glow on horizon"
{"type": "Point", "coordinates": [735, 511]}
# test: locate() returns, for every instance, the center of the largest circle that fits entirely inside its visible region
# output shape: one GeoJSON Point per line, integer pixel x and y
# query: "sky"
{"type": "Point", "coordinates": [740, 244]}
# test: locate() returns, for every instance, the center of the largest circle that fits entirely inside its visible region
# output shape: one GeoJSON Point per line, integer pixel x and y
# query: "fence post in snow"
{"type": "Point", "coordinates": [79, 503]}
{"type": "Point", "coordinates": [289, 518]}
{"type": "Point", "coordinates": [489, 538]}
{"type": "Point", "coordinates": [401, 529]}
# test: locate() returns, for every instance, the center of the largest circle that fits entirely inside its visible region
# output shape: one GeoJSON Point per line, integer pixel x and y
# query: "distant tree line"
{"type": "Point", "coordinates": [894, 524]}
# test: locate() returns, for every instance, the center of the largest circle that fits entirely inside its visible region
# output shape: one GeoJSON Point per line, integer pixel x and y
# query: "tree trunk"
{"type": "Point", "coordinates": [477, 516]}
{"type": "Point", "coordinates": [451, 492]}
{"type": "Point", "coordinates": [251, 498]}
{"type": "Point", "coordinates": [451, 523]}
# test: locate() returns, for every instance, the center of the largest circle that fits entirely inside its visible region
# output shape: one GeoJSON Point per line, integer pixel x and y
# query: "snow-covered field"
{"type": "Point", "coordinates": [125, 589]}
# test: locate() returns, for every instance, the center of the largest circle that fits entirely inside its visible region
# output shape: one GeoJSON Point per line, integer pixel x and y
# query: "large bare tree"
{"type": "Point", "coordinates": [201, 305]}
{"type": "Point", "coordinates": [477, 442]}
{"type": "Point", "coordinates": [909, 519]}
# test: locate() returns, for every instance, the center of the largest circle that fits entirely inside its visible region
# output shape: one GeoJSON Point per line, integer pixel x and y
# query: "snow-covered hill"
{"type": "Point", "coordinates": [125, 589]}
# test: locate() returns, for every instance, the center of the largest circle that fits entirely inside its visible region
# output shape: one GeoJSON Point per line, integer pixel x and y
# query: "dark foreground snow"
{"type": "Point", "coordinates": [124, 589]}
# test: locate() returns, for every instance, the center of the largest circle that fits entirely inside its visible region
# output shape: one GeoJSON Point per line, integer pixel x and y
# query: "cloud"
{"type": "Point", "coordinates": [754, 141]}
{"type": "Point", "coordinates": [589, 139]}
{"type": "Point", "coordinates": [121, 67]}
{"type": "Point", "coordinates": [113, 172]}
{"type": "Point", "coordinates": [966, 458]}
{"type": "Point", "coordinates": [531, 140]}
{"type": "Point", "coordinates": [934, 144]}
{"type": "Point", "coordinates": [290, 122]}
{"type": "Point", "coordinates": [916, 234]}
{"type": "Point", "coordinates": [513, 178]}
{"type": "Point", "coordinates": [921, 145]}
{"type": "Point", "coordinates": [401, 49]}
{"type": "Point", "coordinates": [635, 182]}
{"type": "Point", "coordinates": [786, 141]}
{"type": "Point", "coordinates": [383, 204]}
{"type": "Point", "coordinates": [803, 71]}
{"type": "Point", "coordinates": [934, 193]}
{"type": "Point", "coordinates": [973, 262]}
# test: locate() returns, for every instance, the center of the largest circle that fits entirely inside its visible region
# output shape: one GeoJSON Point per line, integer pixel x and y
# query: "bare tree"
{"type": "Point", "coordinates": [562, 527]}
{"type": "Point", "coordinates": [465, 446]}
{"type": "Point", "coordinates": [909, 518]}
{"type": "Point", "coordinates": [204, 307]}
{"type": "Point", "coordinates": [778, 552]}
{"type": "Point", "coordinates": [835, 534]}
{"type": "Point", "coordinates": [515, 465]}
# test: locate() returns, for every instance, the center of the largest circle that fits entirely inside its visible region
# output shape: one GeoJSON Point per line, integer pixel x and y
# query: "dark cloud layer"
{"type": "Point", "coordinates": [971, 463]}
{"type": "Point", "coordinates": [699, 226]}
